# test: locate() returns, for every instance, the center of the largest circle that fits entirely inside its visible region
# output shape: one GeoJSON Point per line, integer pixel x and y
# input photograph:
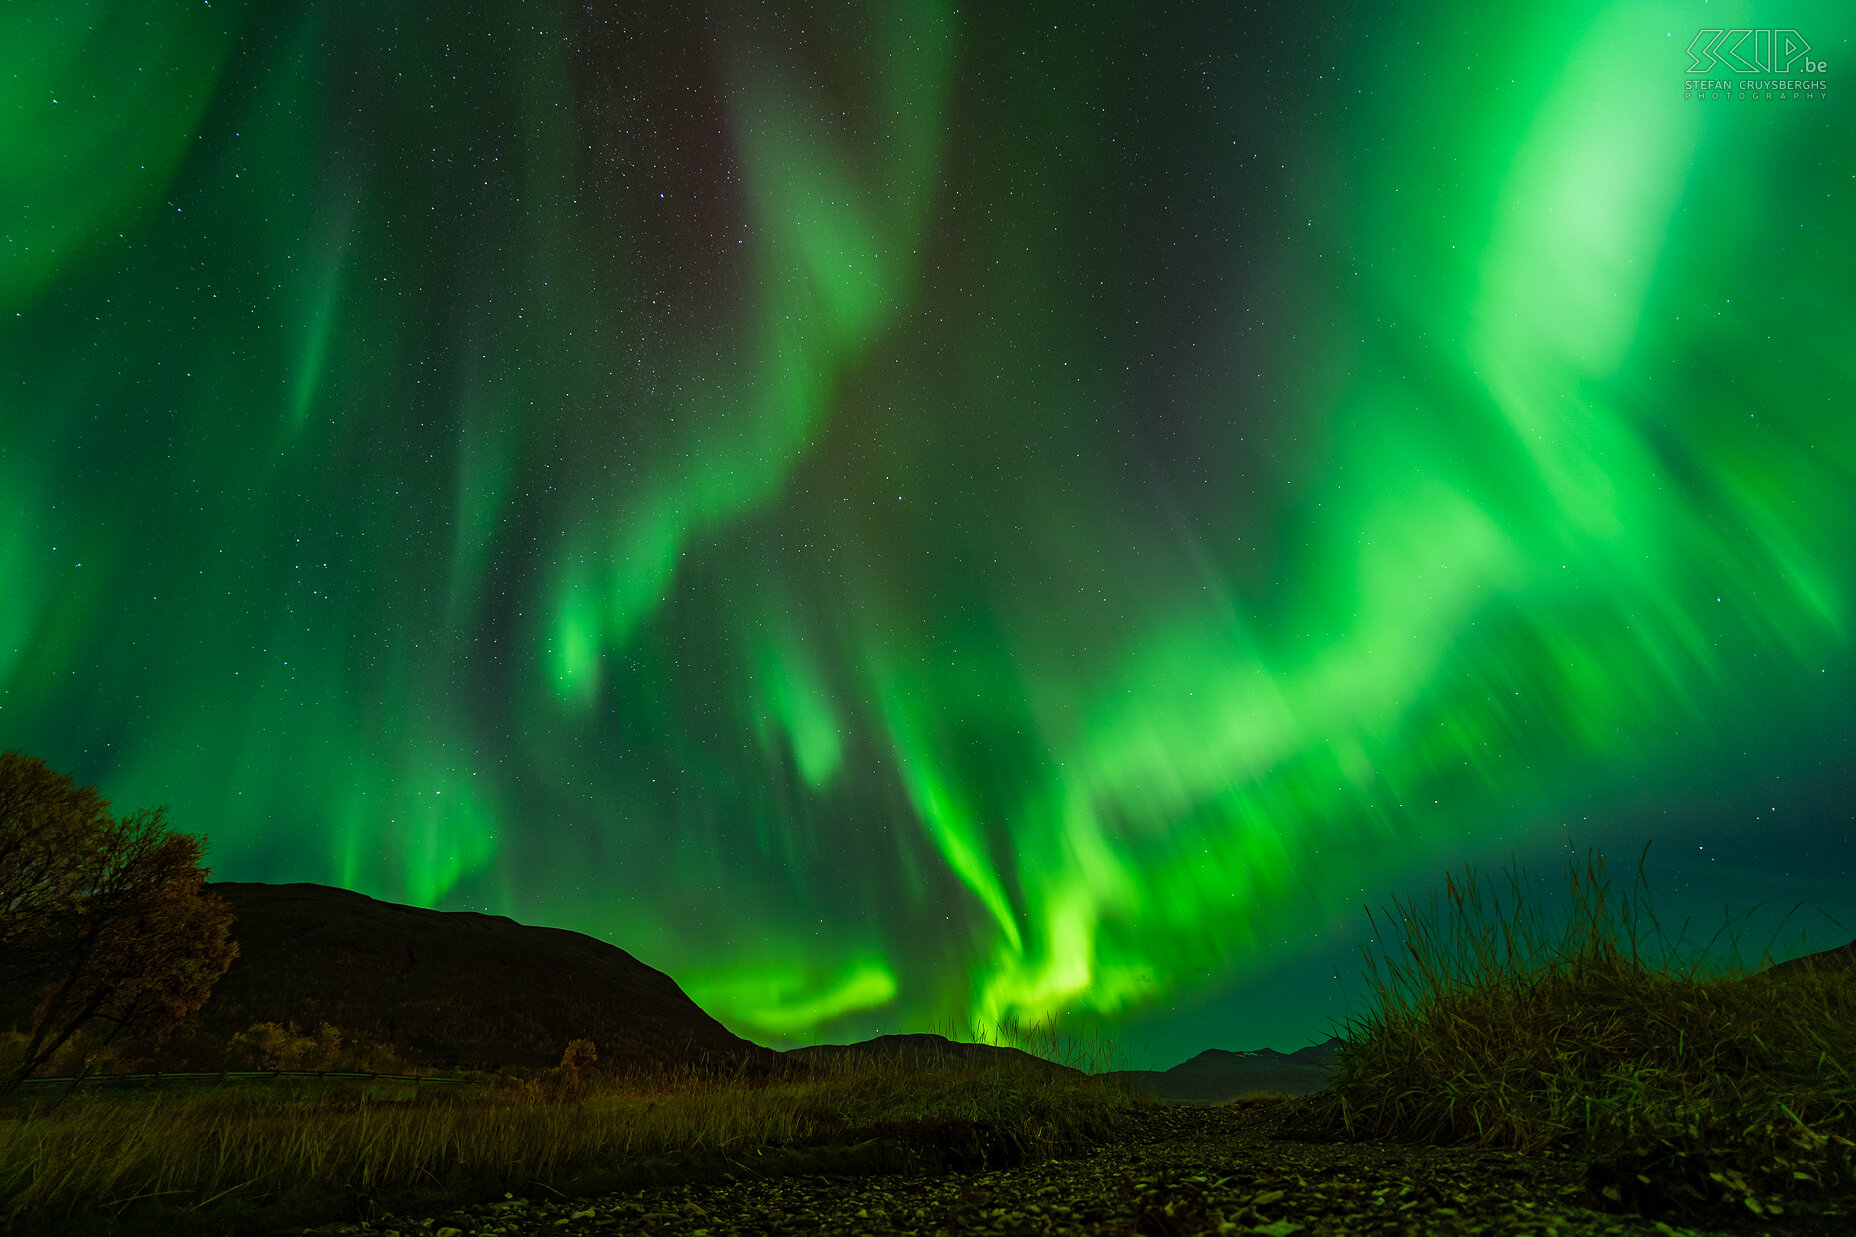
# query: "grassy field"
{"type": "Point", "coordinates": [1685, 1091]}
{"type": "Point", "coordinates": [259, 1157]}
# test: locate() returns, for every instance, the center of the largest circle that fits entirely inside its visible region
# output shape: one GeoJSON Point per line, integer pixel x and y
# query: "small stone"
{"type": "Point", "coordinates": [1282, 1228]}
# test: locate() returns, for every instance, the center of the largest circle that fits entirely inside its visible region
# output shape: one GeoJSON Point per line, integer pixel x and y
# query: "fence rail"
{"type": "Point", "coordinates": [242, 1075]}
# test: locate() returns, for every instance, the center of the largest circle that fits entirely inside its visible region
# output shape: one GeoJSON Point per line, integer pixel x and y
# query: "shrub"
{"type": "Point", "coordinates": [579, 1055]}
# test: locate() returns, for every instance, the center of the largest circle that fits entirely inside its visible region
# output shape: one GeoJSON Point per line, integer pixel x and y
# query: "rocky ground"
{"type": "Point", "coordinates": [1189, 1171]}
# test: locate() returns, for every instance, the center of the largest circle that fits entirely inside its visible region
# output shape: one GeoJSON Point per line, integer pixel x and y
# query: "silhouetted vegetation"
{"type": "Point", "coordinates": [104, 931]}
{"type": "Point", "coordinates": [285, 1046]}
{"type": "Point", "coordinates": [1686, 1088]}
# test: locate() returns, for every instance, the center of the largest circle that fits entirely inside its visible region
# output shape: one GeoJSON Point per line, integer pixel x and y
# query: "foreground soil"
{"type": "Point", "coordinates": [1223, 1170]}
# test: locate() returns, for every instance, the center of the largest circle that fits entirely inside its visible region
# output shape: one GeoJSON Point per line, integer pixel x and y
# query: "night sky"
{"type": "Point", "coordinates": [908, 517]}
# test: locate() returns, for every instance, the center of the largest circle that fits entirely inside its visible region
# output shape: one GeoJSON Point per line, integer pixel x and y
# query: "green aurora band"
{"type": "Point", "coordinates": [906, 516]}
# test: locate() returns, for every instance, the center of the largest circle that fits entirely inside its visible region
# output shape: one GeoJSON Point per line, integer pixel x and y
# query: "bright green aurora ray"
{"type": "Point", "coordinates": [909, 517]}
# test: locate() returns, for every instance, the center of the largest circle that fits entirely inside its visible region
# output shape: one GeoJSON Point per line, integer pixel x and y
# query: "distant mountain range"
{"type": "Point", "coordinates": [1209, 1078]}
{"type": "Point", "coordinates": [1216, 1075]}
{"type": "Point", "coordinates": [460, 989]}
{"type": "Point", "coordinates": [919, 1050]}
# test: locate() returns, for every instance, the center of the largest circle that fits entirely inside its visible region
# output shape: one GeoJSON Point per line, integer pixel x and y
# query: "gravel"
{"type": "Point", "coordinates": [1221, 1170]}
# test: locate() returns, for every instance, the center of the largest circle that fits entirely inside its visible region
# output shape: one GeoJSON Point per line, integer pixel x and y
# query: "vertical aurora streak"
{"type": "Point", "coordinates": [903, 515]}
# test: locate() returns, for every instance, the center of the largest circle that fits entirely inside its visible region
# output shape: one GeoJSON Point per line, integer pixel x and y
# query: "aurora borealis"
{"type": "Point", "coordinates": [907, 516]}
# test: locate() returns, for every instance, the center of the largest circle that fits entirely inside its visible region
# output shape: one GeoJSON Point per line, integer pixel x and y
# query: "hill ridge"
{"type": "Point", "coordinates": [453, 988]}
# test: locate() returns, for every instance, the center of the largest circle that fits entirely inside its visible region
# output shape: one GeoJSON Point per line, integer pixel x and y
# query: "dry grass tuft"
{"type": "Point", "coordinates": [1684, 1088]}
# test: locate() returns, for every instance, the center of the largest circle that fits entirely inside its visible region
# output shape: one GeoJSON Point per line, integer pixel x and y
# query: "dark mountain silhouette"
{"type": "Point", "coordinates": [1216, 1075]}
{"type": "Point", "coordinates": [1211, 1077]}
{"type": "Point", "coordinates": [1827, 961]}
{"type": "Point", "coordinates": [915, 1051]}
{"type": "Point", "coordinates": [446, 988]}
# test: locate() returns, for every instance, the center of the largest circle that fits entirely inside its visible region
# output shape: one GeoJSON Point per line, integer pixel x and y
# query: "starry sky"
{"type": "Point", "coordinates": [909, 516]}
